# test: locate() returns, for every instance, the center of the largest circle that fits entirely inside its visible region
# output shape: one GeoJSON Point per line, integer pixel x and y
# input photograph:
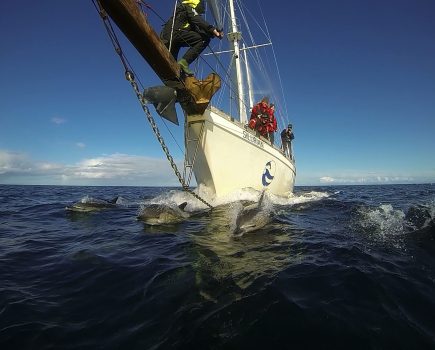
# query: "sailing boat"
{"type": "Point", "coordinates": [223, 153]}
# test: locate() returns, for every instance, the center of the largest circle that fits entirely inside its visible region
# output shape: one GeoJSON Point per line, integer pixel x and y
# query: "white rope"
{"type": "Point", "coordinates": [267, 86]}
{"type": "Point", "coordinates": [172, 28]}
{"type": "Point", "coordinates": [255, 54]}
{"type": "Point", "coordinates": [284, 100]}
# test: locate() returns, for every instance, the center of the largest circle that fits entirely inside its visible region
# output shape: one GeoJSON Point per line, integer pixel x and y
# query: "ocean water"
{"type": "Point", "coordinates": [336, 267]}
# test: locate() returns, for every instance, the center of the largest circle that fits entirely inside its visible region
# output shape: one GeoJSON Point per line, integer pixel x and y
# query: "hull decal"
{"type": "Point", "coordinates": [268, 173]}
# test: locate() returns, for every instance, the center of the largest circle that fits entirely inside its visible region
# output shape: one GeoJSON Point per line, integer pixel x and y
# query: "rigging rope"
{"type": "Point", "coordinates": [260, 62]}
{"type": "Point", "coordinates": [149, 7]}
{"type": "Point", "coordinates": [131, 78]}
{"type": "Point", "coordinates": [284, 100]}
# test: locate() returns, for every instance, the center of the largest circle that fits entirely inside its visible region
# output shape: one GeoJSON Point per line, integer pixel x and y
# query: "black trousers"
{"type": "Point", "coordinates": [187, 38]}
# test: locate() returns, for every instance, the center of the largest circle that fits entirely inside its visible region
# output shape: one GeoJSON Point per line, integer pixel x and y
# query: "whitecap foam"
{"type": "Point", "coordinates": [92, 200]}
{"type": "Point", "coordinates": [382, 220]}
{"type": "Point", "coordinates": [85, 199]}
{"type": "Point", "coordinates": [305, 197]}
{"type": "Point", "coordinates": [246, 194]}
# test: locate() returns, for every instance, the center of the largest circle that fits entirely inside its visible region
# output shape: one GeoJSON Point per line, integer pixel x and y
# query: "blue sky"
{"type": "Point", "coordinates": [359, 79]}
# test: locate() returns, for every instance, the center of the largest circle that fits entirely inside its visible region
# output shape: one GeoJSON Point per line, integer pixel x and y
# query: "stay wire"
{"type": "Point", "coordinates": [148, 6]}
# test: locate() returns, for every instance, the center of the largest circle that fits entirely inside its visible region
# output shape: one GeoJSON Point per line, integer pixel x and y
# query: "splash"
{"type": "Point", "coordinates": [384, 220]}
{"type": "Point", "coordinates": [300, 198]}
{"type": "Point", "coordinates": [381, 221]}
{"type": "Point", "coordinates": [231, 210]}
{"type": "Point", "coordinates": [242, 195]}
{"type": "Point", "coordinates": [87, 199]}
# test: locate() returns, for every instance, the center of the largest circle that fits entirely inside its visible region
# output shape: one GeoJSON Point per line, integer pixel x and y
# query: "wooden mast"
{"type": "Point", "coordinates": [134, 25]}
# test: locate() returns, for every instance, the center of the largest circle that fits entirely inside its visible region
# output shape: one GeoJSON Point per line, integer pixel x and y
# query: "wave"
{"type": "Point", "coordinates": [384, 220]}
{"type": "Point", "coordinates": [381, 220]}
{"type": "Point", "coordinates": [301, 198]}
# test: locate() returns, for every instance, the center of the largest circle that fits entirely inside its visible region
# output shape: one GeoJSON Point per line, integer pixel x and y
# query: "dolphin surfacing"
{"type": "Point", "coordinates": [88, 205]}
{"type": "Point", "coordinates": [162, 214]}
{"type": "Point", "coordinates": [253, 217]}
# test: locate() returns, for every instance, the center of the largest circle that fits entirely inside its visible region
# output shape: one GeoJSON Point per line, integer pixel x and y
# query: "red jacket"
{"type": "Point", "coordinates": [272, 127]}
{"type": "Point", "coordinates": [259, 109]}
{"type": "Point", "coordinates": [260, 118]}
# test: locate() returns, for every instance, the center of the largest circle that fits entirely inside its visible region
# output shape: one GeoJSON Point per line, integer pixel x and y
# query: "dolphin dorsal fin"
{"type": "Point", "coordinates": [114, 200]}
{"type": "Point", "coordinates": [261, 197]}
{"type": "Point", "coordinates": [182, 205]}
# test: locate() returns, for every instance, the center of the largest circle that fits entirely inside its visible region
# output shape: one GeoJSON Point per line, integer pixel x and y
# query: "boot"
{"type": "Point", "coordinates": [185, 66]}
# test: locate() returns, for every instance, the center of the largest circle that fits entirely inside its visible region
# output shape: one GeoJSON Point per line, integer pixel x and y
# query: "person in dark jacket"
{"type": "Point", "coordinates": [286, 137]}
{"type": "Point", "coordinates": [188, 29]}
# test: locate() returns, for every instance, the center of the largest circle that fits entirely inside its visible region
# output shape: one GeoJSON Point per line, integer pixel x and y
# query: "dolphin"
{"type": "Point", "coordinates": [419, 216]}
{"type": "Point", "coordinates": [253, 217]}
{"type": "Point", "coordinates": [420, 221]}
{"type": "Point", "coordinates": [88, 205]}
{"type": "Point", "coordinates": [161, 214]}
{"type": "Point", "coordinates": [419, 227]}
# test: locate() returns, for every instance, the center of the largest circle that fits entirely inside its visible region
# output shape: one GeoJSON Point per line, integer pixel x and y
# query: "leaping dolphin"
{"type": "Point", "coordinates": [253, 217]}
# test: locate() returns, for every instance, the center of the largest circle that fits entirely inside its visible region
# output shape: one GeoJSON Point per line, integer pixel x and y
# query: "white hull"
{"type": "Point", "coordinates": [227, 157]}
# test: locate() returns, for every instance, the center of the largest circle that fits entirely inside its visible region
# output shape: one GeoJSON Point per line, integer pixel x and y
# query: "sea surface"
{"type": "Point", "coordinates": [335, 267]}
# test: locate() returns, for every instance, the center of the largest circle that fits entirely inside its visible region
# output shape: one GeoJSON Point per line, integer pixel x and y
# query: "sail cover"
{"type": "Point", "coordinates": [215, 11]}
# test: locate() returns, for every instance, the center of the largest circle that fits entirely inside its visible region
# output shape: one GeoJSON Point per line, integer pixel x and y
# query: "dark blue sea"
{"type": "Point", "coordinates": [348, 267]}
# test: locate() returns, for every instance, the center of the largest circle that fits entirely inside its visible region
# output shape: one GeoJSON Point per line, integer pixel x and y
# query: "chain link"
{"type": "Point", "coordinates": [130, 77]}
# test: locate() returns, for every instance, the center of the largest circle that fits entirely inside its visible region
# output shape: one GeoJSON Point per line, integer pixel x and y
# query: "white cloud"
{"type": "Point", "coordinates": [80, 145]}
{"type": "Point", "coordinates": [115, 169]}
{"type": "Point", "coordinates": [58, 121]}
{"type": "Point", "coordinates": [13, 162]}
{"type": "Point", "coordinates": [373, 178]}
{"type": "Point", "coordinates": [122, 169]}
{"type": "Point", "coordinates": [327, 179]}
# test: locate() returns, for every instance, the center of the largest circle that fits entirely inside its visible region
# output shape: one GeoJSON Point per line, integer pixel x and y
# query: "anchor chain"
{"type": "Point", "coordinates": [130, 77]}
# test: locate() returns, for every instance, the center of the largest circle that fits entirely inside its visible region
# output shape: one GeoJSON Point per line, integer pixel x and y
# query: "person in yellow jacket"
{"type": "Point", "coordinates": [188, 29]}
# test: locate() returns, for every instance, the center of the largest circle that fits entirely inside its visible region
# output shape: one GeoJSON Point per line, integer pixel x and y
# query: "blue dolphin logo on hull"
{"type": "Point", "coordinates": [268, 173]}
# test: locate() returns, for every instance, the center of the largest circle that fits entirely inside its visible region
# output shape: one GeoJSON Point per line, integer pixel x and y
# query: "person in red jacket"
{"type": "Point", "coordinates": [260, 117]}
{"type": "Point", "coordinates": [272, 126]}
